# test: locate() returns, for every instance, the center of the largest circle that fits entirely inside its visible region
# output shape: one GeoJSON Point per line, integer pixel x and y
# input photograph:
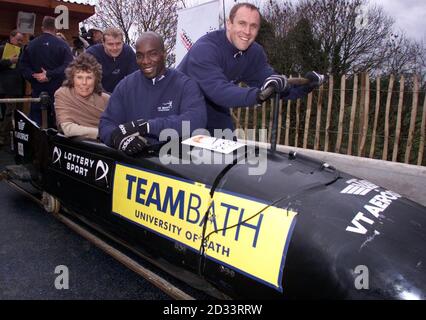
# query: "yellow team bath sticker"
{"type": "Point", "coordinates": [242, 236]}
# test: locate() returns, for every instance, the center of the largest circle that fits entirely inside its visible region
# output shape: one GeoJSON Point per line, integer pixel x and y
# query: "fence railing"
{"type": "Point", "coordinates": [381, 118]}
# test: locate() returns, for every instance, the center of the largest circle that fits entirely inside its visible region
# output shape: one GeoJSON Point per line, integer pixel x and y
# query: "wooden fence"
{"type": "Point", "coordinates": [375, 118]}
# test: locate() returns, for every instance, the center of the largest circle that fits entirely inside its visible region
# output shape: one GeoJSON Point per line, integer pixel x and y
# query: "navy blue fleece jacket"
{"type": "Point", "coordinates": [165, 102]}
{"type": "Point", "coordinates": [114, 69]}
{"type": "Point", "coordinates": [50, 53]}
{"type": "Point", "coordinates": [218, 67]}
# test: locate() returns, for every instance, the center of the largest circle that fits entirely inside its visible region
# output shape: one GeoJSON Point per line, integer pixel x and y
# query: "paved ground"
{"type": "Point", "coordinates": [33, 244]}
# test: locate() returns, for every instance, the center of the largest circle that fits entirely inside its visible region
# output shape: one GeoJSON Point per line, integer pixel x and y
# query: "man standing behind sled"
{"type": "Point", "coordinates": [150, 100]}
{"type": "Point", "coordinates": [43, 64]}
{"type": "Point", "coordinates": [12, 84]}
{"type": "Point", "coordinates": [221, 59]}
{"type": "Point", "coordinates": [116, 58]}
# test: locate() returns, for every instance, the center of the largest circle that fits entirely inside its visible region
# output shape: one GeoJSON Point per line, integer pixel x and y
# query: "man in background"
{"type": "Point", "coordinates": [12, 84]}
{"type": "Point", "coordinates": [116, 58]}
{"type": "Point", "coordinates": [96, 36]}
{"type": "Point", "coordinates": [43, 64]}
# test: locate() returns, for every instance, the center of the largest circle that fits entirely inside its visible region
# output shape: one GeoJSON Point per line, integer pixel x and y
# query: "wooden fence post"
{"type": "Point", "coordinates": [287, 124]}
{"type": "Point", "coordinates": [388, 102]}
{"type": "Point", "coordinates": [296, 137]}
{"type": "Point", "coordinates": [398, 119]}
{"type": "Point", "coordinates": [361, 110]}
{"type": "Point", "coordinates": [412, 119]}
{"type": "Point", "coordinates": [318, 126]}
{"type": "Point", "coordinates": [255, 122]}
{"type": "Point", "coordinates": [422, 135]}
{"type": "Point", "coordinates": [353, 112]}
{"type": "Point", "coordinates": [365, 113]}
{"type": "Point", "coordinates": [341, 113]}
{"type": "Point", "coordinates": [307, 120]}
{"type": "Point", "coordinates": [271, 115]}
{"type": "Point", "coordinates": [280, 120]}
{"type": "Point", "coordinates": [246, 120]}
{"type": "Point", "coordinates": [329, 104]}
{"type": "Point", "coordinates": [376, 116]}
{"type": "Point", "coordinates": [238, 118]}
{"type": "Point", "coordinates": [287, 121]}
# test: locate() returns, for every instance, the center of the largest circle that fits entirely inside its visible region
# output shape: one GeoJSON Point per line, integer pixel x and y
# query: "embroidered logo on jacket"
{"type": "Point", "coordinates": [166, 106]}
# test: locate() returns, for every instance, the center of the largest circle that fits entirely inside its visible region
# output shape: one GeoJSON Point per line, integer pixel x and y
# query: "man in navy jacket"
{"type": "Point", "coordinates": [150, 100]}
{"type": "Point", "coordinates": [43, 64]}
{"type": "Point", "coordinates": [221, 59]}
{"type": "Point", "coordinates": [116, 58]}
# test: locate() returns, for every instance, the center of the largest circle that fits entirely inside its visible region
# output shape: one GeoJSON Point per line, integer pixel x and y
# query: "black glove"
{"type": "Point", "coordinates": [315, 78]}
{"type": "Point", "coordinates": [273, 84]}
{"type": "Point", "coordinates": [133, 145]}
{"type": "Point", "coordinates": [127, 130]}
{"type": "Point", "coordinates": [277, 81]}
{"type": "Point", "coordinates": [263, 95]}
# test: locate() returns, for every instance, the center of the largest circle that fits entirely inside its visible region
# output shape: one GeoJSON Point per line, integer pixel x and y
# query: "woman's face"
{"type": "Point", "coordinates": [84, 83]}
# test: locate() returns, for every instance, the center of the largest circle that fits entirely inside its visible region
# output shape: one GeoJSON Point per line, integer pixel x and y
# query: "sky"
{"type": "Point", "coordinates": [409, 15]}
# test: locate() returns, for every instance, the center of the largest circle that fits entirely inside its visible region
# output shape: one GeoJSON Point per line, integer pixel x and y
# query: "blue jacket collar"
{"type": "Point", "coordinates": [157, 79]}
{"type": "Point", "coordinates": [236, 53]}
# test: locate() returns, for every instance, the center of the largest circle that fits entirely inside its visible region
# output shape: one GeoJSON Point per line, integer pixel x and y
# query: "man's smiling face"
{"type": "Point", "coordinates": [150, 57]}
{"type": "Point", "coordinates": [243, 30]}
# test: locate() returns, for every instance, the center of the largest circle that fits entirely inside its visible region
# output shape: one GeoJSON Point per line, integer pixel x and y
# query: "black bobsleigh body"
{"type": "Point", "coordinates": [301, 229]}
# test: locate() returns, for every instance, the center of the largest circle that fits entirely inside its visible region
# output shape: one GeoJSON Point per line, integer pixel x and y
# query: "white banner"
{"type": "Point", "coordinates": [192, 24]}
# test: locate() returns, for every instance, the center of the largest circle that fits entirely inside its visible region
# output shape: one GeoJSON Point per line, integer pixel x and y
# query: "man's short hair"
{"type": "Point", "coordinates": [153, 35]}
{"type": "Point", "coordinates": [113, 32]}
{"type": "Point", "coordinates": [235, 8]}
{"type": "Point", "coordinates": [48, 23]}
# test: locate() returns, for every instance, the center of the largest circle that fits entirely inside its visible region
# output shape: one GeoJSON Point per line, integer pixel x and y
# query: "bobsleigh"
{"type": "Point", "coordinates": [301, 229]}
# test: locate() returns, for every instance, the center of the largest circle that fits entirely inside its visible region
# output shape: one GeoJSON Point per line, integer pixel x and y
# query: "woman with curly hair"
{"type": "Point", "coordinates": [80, 101]}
